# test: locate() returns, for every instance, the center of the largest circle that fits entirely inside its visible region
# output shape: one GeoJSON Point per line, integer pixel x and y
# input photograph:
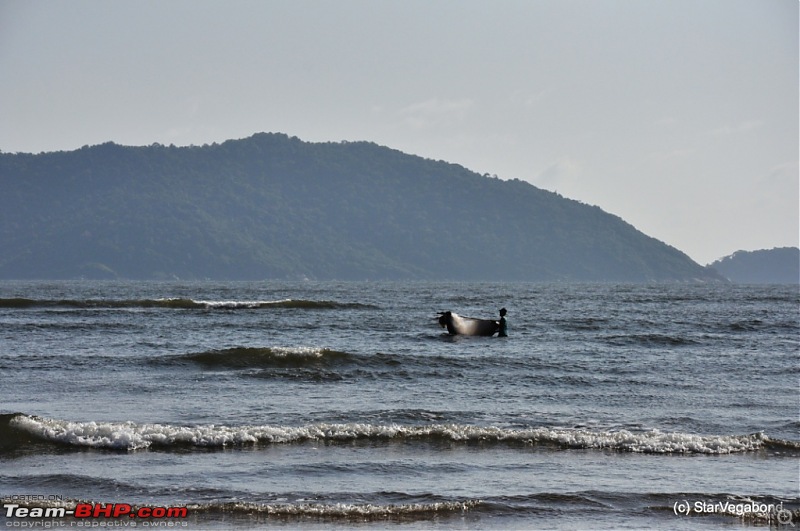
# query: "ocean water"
{"type": "Point", "coordinates": [318, 405]}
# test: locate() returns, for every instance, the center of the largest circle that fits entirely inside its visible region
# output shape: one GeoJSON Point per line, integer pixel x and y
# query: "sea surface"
{"type": "Point", "coordinates": [344, 405]}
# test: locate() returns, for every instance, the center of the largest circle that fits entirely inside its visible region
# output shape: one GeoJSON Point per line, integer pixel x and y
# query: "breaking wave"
{"type": "Point", "coordinates": [401, 507]}
{"type": "Point", "coordinates": [261, 357]}
{"type": "Point", "coordinates": [21, 429]}
{"type": "Point", "coordinates": [179, 303]}
{"type": "Point", "coordinates": [338, 511]}
{"type": "Point", "coordinates": [248, 512]}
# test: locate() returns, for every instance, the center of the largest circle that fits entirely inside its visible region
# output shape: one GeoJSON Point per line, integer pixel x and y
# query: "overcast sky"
{"type": "Point", "coordinates": [680, 116]}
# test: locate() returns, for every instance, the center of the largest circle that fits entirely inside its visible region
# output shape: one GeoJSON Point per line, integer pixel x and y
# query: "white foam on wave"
{"type": "Point", "coordinates": [653, 441]}
{"type": "Point", "coordinates": [133, 436]}
{"type": "Point", "coordinates": [242, 304]}
{"type": "Point", "coordinates": [299, 509]}
{"type": "Point", "coordinates": [298, 352]}
{"type": "Point", "coordinates": [339, 510]}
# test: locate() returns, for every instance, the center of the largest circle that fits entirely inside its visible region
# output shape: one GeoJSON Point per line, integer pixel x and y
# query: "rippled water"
{"type": "Point", "coordinates": [317, 404]}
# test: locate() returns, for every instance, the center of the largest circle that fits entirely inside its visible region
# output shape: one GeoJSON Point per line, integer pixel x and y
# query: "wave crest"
{"type": "Point", "coordinates": [132, 436]}
{"type": "Point", "coordinates": [263, 357]}
{"type": "Point", "coordinates": [179, 303]}
{"type": "Point", "coordinates": [343, 511]}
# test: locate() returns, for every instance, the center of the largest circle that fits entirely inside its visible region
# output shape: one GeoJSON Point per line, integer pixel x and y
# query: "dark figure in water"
{"type": "Point", "coordinates": [502, 325]}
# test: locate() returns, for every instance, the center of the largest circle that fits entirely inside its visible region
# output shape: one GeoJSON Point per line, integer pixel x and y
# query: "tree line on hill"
{"type": "Point", "coordinates": [271, 206]}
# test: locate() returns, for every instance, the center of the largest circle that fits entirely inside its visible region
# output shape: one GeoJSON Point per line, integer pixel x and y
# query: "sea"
{"type": "Point", "coordinates": [344, 405]}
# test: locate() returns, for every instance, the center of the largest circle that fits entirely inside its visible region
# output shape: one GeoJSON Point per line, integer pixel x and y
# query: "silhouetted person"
{"type": "Point", "coordinates": [503, 330]}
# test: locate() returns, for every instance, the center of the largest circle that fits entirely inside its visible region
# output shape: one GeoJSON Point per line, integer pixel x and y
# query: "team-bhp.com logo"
{"type": "Point", "coordinates": [93, 510]}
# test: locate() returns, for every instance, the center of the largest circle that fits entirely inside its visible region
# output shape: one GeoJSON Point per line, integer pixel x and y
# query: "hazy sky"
{"type": "Point", "coordinates": [680, 116]}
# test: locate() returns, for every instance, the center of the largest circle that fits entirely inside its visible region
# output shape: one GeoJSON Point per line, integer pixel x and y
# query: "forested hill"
{"type": "Point", "coordinates": [270, 206]}
{"type": "Point", "coordinates": [767, 266]}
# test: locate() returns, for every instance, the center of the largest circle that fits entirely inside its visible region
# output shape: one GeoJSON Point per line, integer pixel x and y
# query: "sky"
{"type": "Point", "coordinates": [679, 116]}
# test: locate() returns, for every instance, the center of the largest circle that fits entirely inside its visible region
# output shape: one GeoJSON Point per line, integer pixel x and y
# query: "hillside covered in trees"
{"type": "Point", "coordinates": [271, 206]}
{"type": "Point", "coordinates": [767, 266]}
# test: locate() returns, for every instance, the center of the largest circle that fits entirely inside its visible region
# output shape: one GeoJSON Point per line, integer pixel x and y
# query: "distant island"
{"type": "Point", "coordinates": [275, 207]}
{"type": "Point", "coordinates": [768, 266]}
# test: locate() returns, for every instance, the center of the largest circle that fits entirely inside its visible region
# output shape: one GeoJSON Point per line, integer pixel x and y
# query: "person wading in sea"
{"type": "Point", "coordinates": [503, 330]}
